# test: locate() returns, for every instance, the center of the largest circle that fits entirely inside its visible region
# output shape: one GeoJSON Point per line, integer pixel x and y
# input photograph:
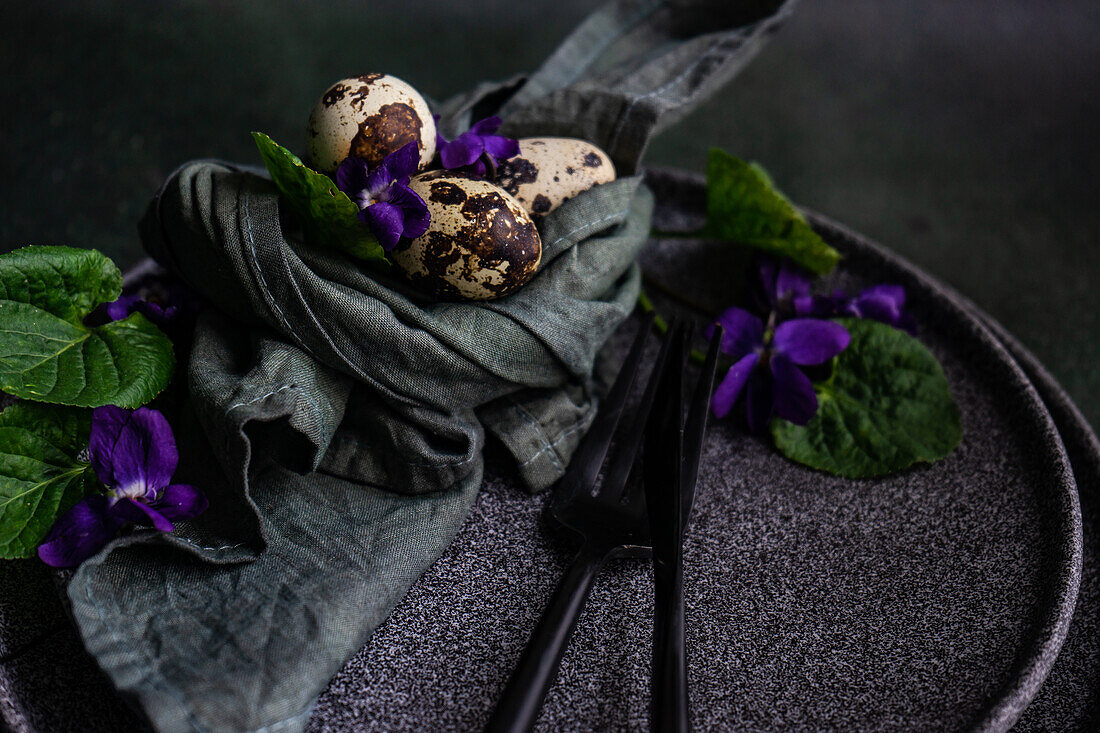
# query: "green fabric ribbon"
{"type": "Point", "coordinates": [337, 420]}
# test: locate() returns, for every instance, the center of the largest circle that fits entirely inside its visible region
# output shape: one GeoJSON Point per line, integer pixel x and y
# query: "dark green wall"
{"type": "Point", "coordinates": [961, 133]}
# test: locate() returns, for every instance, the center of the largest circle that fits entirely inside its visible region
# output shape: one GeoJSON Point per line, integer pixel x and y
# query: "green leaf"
{"type": "Point", "coordinates": [328, 216]}
{"type": "Point", "coordinates": [67, 428]}
{"type": "Point", "coordinates": [886, 406]}
{"type": "Point", "coordinates": [744, 206]}
{"type": "Point", "coordinates": [47, 354]}
{"type": "Point", "coordinates": [40, 474]}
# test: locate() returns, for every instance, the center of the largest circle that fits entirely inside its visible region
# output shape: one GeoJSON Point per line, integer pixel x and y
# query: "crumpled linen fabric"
{"type": "Point", "coordinates": [336, 418]}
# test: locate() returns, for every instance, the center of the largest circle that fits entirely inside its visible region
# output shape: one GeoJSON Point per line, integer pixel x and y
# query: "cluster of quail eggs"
{"type": "Point", "coordinates": [483, 241]}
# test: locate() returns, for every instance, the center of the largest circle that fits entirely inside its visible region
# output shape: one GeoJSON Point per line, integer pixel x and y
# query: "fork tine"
{"type": "Point", "coordinates": [696, 425]}
{"type": "Point", "coordinates": [585, 466]}
{"type": "Point", "coordinates": [618, 474]}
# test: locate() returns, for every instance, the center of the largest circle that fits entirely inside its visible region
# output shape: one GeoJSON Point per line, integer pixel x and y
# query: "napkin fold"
{"type": "Point", "coordinates": [336, 419]}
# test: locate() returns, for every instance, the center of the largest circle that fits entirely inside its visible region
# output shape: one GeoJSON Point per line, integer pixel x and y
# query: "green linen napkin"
{"type": "Point", "coordinates": [337, 420]}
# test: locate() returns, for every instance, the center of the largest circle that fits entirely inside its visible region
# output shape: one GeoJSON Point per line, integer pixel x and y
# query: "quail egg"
{"type": "Point", "coordinates": [481, 243]}
{"type": "Point", "coordinates": [369, 117]}
{"type": "Point", "coordinates": [551, 170]}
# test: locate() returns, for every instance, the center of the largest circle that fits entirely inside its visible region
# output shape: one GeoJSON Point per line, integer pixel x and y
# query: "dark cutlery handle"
{"type": "Point", "coordinates": [668, 687]}
{"type": "Point", "coordinates": [519, 706]}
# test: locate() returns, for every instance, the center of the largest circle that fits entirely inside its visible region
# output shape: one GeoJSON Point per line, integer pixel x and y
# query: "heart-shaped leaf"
{"type": "Point", "coordinates": [48, 354]}
{"type": "Point", "coordinates": [886, 407]}
{"type": "Point", "coordinates": [744, 206]}
{"type": "Point", "coordinates": [41, 476]}
{"type": "Point", "coordinates": [329, 218]}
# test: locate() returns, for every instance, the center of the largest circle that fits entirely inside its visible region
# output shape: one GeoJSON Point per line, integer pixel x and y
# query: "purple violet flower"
{"type": "Point", "coordinates": [783, 284]}
{"type": "Point", "coordinates": [385, 201]}
{"type": "Point", "coordinates": [134, 454]}
{"type": "Point", "coordinates": [476, 151]}
{"type": "Point", "coordinates": [883, 303]}
{"type": "Point", "coordinates": [161, 298]}
{"type": "Point", "coordinates": [766, 365]}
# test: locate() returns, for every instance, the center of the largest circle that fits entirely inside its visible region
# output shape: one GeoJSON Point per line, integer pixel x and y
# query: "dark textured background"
{"type": "Point", "coordinates": [962, 134]}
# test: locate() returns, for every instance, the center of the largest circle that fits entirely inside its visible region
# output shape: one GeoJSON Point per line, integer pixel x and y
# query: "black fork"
{"type": "Point", "coordinates": [611, 523]}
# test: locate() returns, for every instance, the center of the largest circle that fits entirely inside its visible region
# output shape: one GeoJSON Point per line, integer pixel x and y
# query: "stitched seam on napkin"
{"type": "Point", "coordinates": [301, 394]}
{"type": "Point", "coordinates": [609, 217]}
{"type": "Point", "coordinates": [256, 263]}
{"type": "Point", "coordinates": [273, 301]}
{"type": "Point", "coordinates": [155, 678]}
{"type": "Point", "coordinates": [209, 549]}
{"type": "Point", "coordinates": [258, 399]}
{"type": "Point", "coordinates": [576, 428]}
{"type": "Point", "coordinates": [547, 443]}
{"type": "Point", "coordinates": [285, 722]}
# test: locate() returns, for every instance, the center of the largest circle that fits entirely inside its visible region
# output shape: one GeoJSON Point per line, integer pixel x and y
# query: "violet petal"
{"type": "Point", "coordinates": [386, 221]}
{"type": "Point", "coordinates": [894, 293]}
{"type": "Point", "coordinates": [500, 147]}
{"type": "Point", "coordinates": [403, 162]}
{"type": "Point", "coordinates": [741, 332]}
{"type": "Point", "coordinates": [107, 425]}
{"type": "Point", "coordinates": [145, 451]}
{"type": "Point", "coordinates": [378, 182]}
{"type": "Point", "coordinates": [878, 308]}
{"type": "Point", "coordinates": [759, 400]}
{"type": "Point", "coordinates": [463, 150]}
{"type": "Point", "coordinates": [487, 126]}
{"type": "Point", "coordinates": [124, 306]}
{"type": "Point", "coordinates": [729, 389]}
{"type": "Point", "coordinates": [810, 341]}
{"type": "Point", "coordinates": [416, 217]}
{"type": "Point", "coordinates": [795, 399]}
{"type": "Point", "coordinates": [805, 305]}
{"type": "Point", "coordinates": [351, 176]}
{"type": "Point", "coordinates": [140, 513]}
{"type": "Point", "coordinates": [181, 501]}
{"type": "Point", "coordinates": [78, 533]}
{"type": "Point", "coordinates": [791, 282]}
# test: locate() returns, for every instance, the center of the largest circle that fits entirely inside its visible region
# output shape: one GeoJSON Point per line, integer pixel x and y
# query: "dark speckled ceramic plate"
{"type": "Point", "coordinates": [937, 599]}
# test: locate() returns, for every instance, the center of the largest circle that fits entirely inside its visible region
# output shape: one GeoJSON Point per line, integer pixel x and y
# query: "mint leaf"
{"type": "Point", "coordinates": [328, 216]}
{"type": "Point", "coordinates": [886, 407]}
{"type": "Point", "coordinates": [744, 206]}
{"type": "Point", "coordinates": [47, 354]}
{"type": "Point", "coordinates": [40, 474]}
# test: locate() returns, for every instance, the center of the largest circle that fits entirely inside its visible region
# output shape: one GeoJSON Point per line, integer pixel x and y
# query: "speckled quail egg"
{"type": "Point", "coordinates": [481, 244]}
{"type": "Point", "coordinates": [369, 117]}
{"type": "Point", "coordinates": [551, 170]}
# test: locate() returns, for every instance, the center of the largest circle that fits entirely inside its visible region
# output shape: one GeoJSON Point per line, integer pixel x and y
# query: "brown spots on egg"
{"type": "Point", "coordinates": [446, 192]}
{"type": "Point", "coordinates": [335, 94]}
{"type": "Point", "coordinates": [514, 172]}
{"type": "Point", "coordinates": [393, 127]}
{"type": "Point", "coordinates": [369, 116]}
{"type": "Point", "coordinates": [549, 171]}
{"type": "Point", "coordinates": [480, 244]}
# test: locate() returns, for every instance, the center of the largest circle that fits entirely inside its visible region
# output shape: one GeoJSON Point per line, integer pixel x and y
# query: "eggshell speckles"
{"type": "Point", "coordinates": [481, 244]}
{"type": "Point", "coordinates": [551, 170]}
{"type": "Point", "coordinates": [369, 117]}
